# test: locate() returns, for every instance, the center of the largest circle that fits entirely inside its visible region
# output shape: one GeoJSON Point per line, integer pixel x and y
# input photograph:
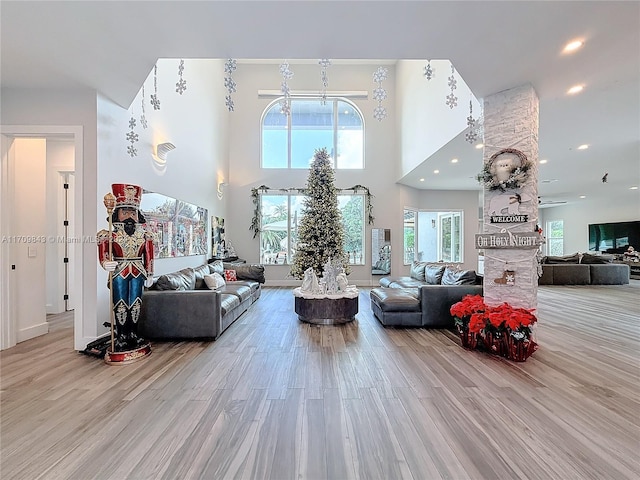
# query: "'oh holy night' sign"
{"type": "Point", "coordinates": [508, 240]}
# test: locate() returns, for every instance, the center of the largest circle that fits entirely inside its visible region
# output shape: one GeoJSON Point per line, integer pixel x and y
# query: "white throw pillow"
{"type": "Point", "coordinates": [214, 281]}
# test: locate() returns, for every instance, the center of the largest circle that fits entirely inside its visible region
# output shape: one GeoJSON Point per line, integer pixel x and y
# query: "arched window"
{"type": "Point", "coordinates": [289, 141]}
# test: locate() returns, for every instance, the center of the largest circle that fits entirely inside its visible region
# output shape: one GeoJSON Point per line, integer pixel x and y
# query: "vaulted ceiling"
{"type": "Point", "coordinates": [111, 46]}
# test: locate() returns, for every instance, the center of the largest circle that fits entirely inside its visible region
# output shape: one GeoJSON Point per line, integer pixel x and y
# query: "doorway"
{"type": "Point", "coordinates": [28, 188]}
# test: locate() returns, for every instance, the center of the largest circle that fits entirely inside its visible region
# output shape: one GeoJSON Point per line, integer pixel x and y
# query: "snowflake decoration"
{"type": "Point", "coordinates": [132, 137]}
{"type": "Point", "coordinates": [379, 93]}
{"type": "Point", "coordinates": [379, 113]}
{"type": "Point", "coordinates": [229, 84]}
{"type": "Point", "coordinates": [324, 64]}
{"type": "Point", "coordinates": [230, 66]}
{"type": "Point", "coordinates": [287, 74]}
{"type": "Point", "coordinates": [429, 72]}
{"type": "Point", "coordinates": [228, 101]}
{"type": "Point", "coordinates": [181, 86]}
{"type": "Point", "coordinates": [143, 118]}
{"type": "Point", "coordinates": [155, 102]}
{"type": "Point", "coordinates": [471, 136]}
{"type": "Point", "coordinates": [154, 97]}
{"type": "Point", "coordinates": [380, 75]}
{"type": "Point", "coordinates": [452, 100]}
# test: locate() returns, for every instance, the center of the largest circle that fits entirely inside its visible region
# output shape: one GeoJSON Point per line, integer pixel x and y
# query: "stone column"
{"type": "Point", "coordinates": [511, 212]}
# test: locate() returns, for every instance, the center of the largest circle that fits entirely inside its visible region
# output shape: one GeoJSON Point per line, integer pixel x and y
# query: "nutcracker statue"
{"type": "Point", "coordinates": [126, 252]}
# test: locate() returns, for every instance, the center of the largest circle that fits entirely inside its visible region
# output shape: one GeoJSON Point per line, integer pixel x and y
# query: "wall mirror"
{"type": "Point", "coordinates": [380, 251]}
{"type": "Point", "coordinates": [433, 236]}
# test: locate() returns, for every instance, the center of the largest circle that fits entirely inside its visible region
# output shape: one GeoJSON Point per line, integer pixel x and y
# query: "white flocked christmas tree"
{"type": "Point", "coordinates": [320, 233]}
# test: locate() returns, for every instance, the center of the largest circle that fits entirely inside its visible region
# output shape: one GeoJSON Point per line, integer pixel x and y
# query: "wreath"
{"type": "Point", "coordinates": [518, 172]}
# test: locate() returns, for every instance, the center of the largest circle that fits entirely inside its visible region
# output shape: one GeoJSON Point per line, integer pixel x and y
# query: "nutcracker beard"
{"type": "Point", "coordinates": [129, 226]}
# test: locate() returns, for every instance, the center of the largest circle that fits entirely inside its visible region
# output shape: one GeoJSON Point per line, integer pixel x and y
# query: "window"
{"type": "Point", "coordinates": [555, 238]}
{"type": "Point", "coordinates": [279, 235]}
{"type": "Point", "coordinates": [289, 141]}
{"type": "Point", "coordinates": [410, 225]}
{"type": "Point", "coordinates": [431, 236]}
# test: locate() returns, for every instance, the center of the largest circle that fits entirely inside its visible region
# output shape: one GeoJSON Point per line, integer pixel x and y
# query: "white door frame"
{"type": "Point", "coordinates": [7, 320]}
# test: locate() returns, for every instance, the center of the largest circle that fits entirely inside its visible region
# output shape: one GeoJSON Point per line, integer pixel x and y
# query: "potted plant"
{"type": "Point", "coordinates": [501, 330]}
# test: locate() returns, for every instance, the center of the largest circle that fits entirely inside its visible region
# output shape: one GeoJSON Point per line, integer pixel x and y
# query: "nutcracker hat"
{"type": "Point", "coordinates": [127, 195]}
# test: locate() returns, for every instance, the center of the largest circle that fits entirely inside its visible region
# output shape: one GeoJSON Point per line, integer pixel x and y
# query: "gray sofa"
{"type": "Point", "coordinates": [585, 269]}
{"type": "Point", "coordinates": [424, 298]}
{"type": "Point", "coordinates": [180, 305]}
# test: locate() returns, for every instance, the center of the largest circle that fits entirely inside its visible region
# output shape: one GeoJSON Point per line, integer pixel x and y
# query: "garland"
{"type": "Point", "coordinates": [255, 195]}
{"type": "Point", "coordinates": [517, 176]}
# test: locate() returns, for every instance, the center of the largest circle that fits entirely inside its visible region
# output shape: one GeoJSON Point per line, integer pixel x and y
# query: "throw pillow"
{"type": "Point", "coordinates": [596, 259]}
{"type": "Point", "coordinates": [433, 274]}
{"type": "Point", "coordinates": [214, 281]}
{"type": "Point", "coordinates": [230, 275]}
{"type": "Point", "coordinates": [417, 271]}
{"type": "Point", "coordinates": [216, 267]}
{"type": "Point", "coordinates": [184, 279]}
{"type": "Point", "coordinates": [550, 260]}
{"type": "Point", "coordinates": [461, 277]}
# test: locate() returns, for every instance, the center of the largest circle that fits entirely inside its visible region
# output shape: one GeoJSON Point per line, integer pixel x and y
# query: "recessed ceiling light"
{"type": "Point", "coordinates": [454, 160]}
{"type": "Point", "coordinates": [422, 179]}
{"type": "Point", "coordinates": [543, 161]}
{"type": "Point", "coordinates": [436, 171]}
{"type": "Point", "coordinates": [575, 89]}
{"type": "Point", "coordinates": [633, 188]}
{"type": "Point", "coordinates": [479, 146]}
{"type": "Point", "coordinates": [583, 147]}
{"type": "Point", "coordinates": [583, 196]}
{"type": "Point", "coordinates": [572, 46]}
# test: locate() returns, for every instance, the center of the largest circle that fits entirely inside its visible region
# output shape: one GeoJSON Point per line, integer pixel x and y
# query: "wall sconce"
{"type": "Point", "coordinates": [162, 149]}
{"type": "Point", "coordinates": [221, 185]}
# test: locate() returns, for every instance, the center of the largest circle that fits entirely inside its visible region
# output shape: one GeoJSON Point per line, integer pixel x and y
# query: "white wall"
{"type": "Point", "coordinates": [244, 158]}
{"type": "Point", "coordinates": [28, 164]}
{"type": "Point", "coordinates": [196, 122]}
{"type": "Point", "coordinates": [425, 122]}
{"type": "Point", "coordinates": [577, 216]}
{"type": "Point", "coordinates": [66, 111]}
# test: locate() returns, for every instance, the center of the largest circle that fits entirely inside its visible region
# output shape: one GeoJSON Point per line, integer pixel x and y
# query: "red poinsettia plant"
{"type": "Point", "coordinates": [473, 314]}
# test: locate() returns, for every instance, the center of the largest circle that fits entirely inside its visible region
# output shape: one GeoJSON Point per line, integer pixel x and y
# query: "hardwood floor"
{"type": "Point", "coordinates": [274, 398]}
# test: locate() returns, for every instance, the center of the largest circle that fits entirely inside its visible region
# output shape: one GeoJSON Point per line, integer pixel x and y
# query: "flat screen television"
{"type": "Point", "coordinates": [614, 237]}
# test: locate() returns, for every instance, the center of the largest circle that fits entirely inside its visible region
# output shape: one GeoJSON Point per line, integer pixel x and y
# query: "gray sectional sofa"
{"type": "Point", "coordinates": [424, 298]}
{"type": "Point", "coordinates": [585, 269]}
{"type": "Point", "coordinates": [180, 305]}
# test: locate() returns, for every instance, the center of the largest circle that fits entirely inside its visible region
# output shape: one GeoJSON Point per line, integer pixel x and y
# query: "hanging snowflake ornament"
{"type": "Point", "coordinates": [379, 93]}
{"type": "Point", "coordinates": [324, 64]}
{"type": "Point", "coordinates": [228, 101]}
{"type": "Point", "coordinates": [181, 86]}
{"type": "Point", "coordinates": [132, 137]}
{"type": "Point", "coordinates": [230, 66]}
{"type": "Point", "coordinates": [429, 72]}
{"type": "Point", "coordinates": [471, 136]}
{"type": "Point", "coordinates": [154, 96]}
{"type": "Point", "coordinates": [143, 118]}
{"type": "Point", "coordinates": [379, 113]}
{"type": "Point", "coordinates": [287, 74]}
{"type": "Point", "coordinates": [452, 100]}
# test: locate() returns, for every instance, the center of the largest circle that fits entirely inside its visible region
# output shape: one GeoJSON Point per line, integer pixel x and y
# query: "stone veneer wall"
{"type": "Point", "coordinates": [511, 121]}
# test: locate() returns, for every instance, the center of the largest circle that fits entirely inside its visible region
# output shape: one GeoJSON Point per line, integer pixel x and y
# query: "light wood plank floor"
{"type": "Point", "coordinates": [274, 398]}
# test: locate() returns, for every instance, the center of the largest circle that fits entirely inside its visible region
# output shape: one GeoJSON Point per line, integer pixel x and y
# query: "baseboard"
{"type": "Point", "coordinates": [32, 332]}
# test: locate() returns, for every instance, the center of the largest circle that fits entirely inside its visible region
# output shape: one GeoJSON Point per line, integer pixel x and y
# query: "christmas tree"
{"type": "Point", "coordinates": [320, 233]}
